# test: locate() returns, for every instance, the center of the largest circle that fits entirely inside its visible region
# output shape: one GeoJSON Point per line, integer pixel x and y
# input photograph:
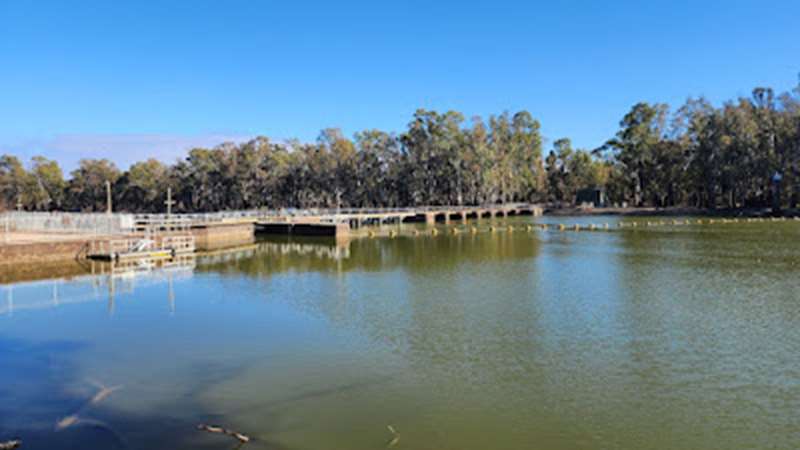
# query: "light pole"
{"type": "Point", "coordinates": [169, 201]}
{"type": "Point", "coordinates": [108, 197]}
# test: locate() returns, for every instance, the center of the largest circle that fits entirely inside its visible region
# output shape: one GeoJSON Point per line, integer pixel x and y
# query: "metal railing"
{"type": "Point", "coordinates": [120, 223]}
{"type": "Point", "coordinates": [116, 247]}
{"type": "Point", "coordinates": [63, 222]}
{"type": "Point", "coordinates": [288, 213]}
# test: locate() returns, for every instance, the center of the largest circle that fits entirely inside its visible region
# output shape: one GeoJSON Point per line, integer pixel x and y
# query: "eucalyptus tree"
{"type": "Point", "coordinates": [641, 132]}
{"type": "Point", "coordinates": [12, 181]}
{"type": "Point", "coordinates": [432, 144]}
{"type": "Point", "coordinates": [86, 189]}
{"type": "Point", "coordinates": [704, 156]}
{"type": "Point", "coordinates": [340, 153]}
{"type": "Point", "coordinates": [46, 184]}
{"type": "Point", "coordinates": [527, 170]}
{"type": "Point", "coordinates": [379, 175]}
{"type": "Point", "coordinates": [479, 163]}
{"type": "Point", "coordinates": [142, 188]}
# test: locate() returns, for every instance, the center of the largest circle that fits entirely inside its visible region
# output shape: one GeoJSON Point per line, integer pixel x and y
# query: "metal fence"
{"type": "Point", "coordinates": [88, 223]}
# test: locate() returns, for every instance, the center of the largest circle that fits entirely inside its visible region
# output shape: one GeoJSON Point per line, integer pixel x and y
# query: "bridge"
{"type": "Point", "coordinates": [331, 221]}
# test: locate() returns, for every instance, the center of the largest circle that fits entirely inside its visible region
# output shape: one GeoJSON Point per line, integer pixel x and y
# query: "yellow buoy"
{"type": "Point", "coordinates": [371, 233]}
{"type": "Point", "coordinates": [434, 232]}
{"type": "Point", "coordinates": [577, 227]}
{"type": "Point", "coordinates": [562, 227]}
{"type": "Point", "coordinates": [392, 233]}
{"type": "Point", "coordinates": [529, 228]}
{"type": "Point", "coordinates": [510, 228]}
{"type": "Point", "coordinates": [454, 230]}
{"type": "Point", "coordinates": [544, 226]}
{"type": "Point", "coordinates": [473, 230]}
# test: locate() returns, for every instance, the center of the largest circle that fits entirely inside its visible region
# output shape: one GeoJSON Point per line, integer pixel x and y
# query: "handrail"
{"type": "Point", "coordinates": [222, 216]}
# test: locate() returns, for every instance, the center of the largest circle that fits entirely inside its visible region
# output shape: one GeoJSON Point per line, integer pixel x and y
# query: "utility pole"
{"type": "Point", "coordinates": [108, 197]}
{"type": "Point", "coordinates": [169, 201]}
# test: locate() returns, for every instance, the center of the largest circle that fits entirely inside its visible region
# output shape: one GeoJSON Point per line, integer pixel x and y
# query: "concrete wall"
{"type": "Point", "coordinates": [40, 252]}
{"type": "Point", "coordinates": [223, 235]}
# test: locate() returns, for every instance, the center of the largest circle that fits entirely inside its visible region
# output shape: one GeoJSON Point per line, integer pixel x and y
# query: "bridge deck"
{"type": "Point", "coordinates": [353, 217]}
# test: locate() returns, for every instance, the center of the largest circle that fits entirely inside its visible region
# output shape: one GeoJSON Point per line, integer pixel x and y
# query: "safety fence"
{"type": "Point", "coordinates": [63, 222]}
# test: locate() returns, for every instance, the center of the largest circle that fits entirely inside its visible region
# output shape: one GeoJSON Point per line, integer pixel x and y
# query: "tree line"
{"type": "Point", "coordinates": [696, 155]}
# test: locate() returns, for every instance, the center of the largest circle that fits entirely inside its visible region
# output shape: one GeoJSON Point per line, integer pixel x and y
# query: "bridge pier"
{"type": "Point", "coordinates": [430, 218]}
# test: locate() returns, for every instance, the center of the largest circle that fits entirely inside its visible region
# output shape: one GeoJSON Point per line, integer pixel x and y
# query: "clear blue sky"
{"type": "Point", "coordinates": [128, 80]}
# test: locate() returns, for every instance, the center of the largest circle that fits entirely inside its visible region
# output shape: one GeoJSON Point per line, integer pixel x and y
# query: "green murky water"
{"type": "Point", "coordinates": [681, 337]}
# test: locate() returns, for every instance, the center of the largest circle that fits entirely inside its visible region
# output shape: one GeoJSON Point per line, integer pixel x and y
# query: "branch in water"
{"type": "Point", "coordinates": [73, 419]}
{"type": "Point", "coordinates": [395, 437]}
{"type": "Point", "coordinates": [219, 430]}
{"type": "Point", "coordinates": [10, 445]}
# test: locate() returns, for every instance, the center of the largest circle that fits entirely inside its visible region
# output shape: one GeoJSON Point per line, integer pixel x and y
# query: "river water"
{"type": "Point", "coordinates": [675, 337]}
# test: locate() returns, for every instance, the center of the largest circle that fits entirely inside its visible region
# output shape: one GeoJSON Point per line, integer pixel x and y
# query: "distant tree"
{"type": "Point", "coordinates": [45, 185]}
{"type": "Point", "coordinates": [700, 155]}
{"type": "Point", "coordinates": [86, 190]}
{"type": "Point", "coordinates": [143, 187]}
{"type": "Point", "coordinates": [634, 147]}
{"type": "Point", "coordinates": [13, 181]}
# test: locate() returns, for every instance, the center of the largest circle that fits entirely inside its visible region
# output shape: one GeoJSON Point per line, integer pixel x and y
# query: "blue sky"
{"type": "Point", "coordinates": [130, 80]}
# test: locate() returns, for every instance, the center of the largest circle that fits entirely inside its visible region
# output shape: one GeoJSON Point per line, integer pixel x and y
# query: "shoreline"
{"type": "Point", "coordinates": [670, 212]}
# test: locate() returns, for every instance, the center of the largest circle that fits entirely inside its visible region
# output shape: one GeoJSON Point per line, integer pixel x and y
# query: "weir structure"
{"type": "Point", "coordinates": [339, 222]}
{"type": "Point", "coordinates": [34, 237]}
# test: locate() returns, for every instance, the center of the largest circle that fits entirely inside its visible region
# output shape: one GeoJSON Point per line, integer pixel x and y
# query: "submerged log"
{"type": "Point", "coordinates": [220, 430]}
{"type": "Point", "coordinates": [395, 437]}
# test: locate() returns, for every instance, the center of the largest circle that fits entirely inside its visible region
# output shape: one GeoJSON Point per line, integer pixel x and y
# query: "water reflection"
{"type": "Point", "coordinates": [104, 282]}
{"type": "Point", "coordinates": [274, 255]}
